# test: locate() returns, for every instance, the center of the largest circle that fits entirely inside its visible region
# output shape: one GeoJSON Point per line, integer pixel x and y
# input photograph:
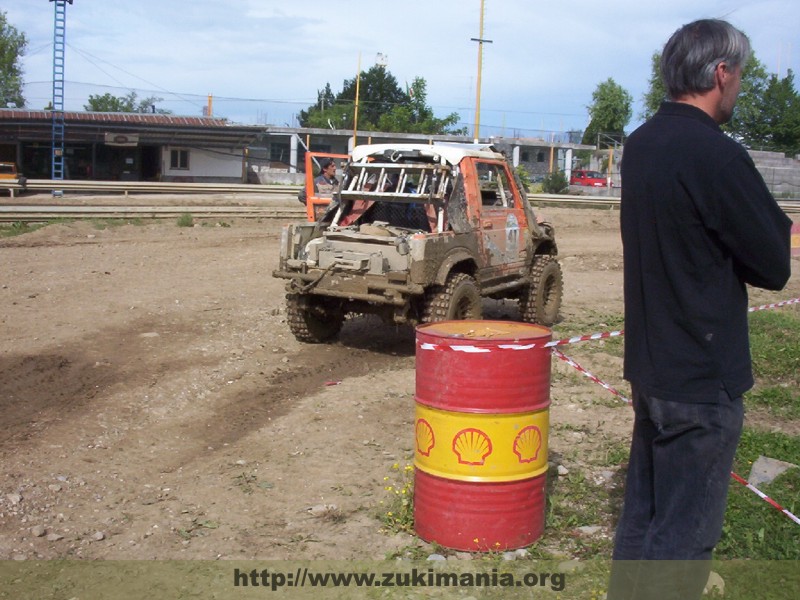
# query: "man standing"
{"type": "Point", "coordinates": [325, 184]}
{"type": "Point", "coordinates": [698, 224]}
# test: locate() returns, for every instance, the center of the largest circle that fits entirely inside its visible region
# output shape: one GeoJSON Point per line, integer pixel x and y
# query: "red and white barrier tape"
{"type": "Point", "coordinates": [764, 497]}
{"type": "Point", "coordinates": [473, 349]}
{"type": "Point", "coordinates": [561, 356]}
{"type": "Point", "coordinates": [584, 338]}
{"type": "Point", "coordinates": [775, 305]}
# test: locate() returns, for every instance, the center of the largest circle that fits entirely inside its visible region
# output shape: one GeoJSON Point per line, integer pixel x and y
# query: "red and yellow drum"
{"type": "Point", "coordinates": [481, 427]}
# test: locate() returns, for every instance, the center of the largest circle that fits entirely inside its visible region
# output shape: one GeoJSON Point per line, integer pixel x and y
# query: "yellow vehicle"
{"type": "Point", "coordinates": [11, 179]}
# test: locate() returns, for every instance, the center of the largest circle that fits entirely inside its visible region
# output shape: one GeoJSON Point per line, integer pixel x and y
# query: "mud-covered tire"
{"type": "Point", "coordinates": [541, 300]}
{"type": "Point", "coordinates": [311, 322]}
{"type": "Point", "coordinates": [458, 299]}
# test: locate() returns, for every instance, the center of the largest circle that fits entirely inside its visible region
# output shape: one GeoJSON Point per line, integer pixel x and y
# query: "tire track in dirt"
{"type": "Point", "coordinates": [365, 346]}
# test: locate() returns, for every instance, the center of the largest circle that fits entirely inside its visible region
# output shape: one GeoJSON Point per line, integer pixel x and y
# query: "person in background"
{"type": "Point", "coordinates": [325, 183]}
{"type": "Point", "coordinates": [698, 225]}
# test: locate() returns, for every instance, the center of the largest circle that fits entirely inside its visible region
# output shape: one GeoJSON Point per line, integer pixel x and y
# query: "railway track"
{"type": "Point", "coordinates": [43, 213]}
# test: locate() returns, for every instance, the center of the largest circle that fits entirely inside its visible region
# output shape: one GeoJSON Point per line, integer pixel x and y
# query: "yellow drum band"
{"type": "Point", "coordinates": [481, 447]}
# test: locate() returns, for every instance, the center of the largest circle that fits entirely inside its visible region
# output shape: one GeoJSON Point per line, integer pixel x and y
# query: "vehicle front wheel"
{"type": "Point", "coordinates": [458, 299]}
{"type": "Point", "coordinates": [310, 321]}
{"type": "Point", "coordinates": [541, 300]}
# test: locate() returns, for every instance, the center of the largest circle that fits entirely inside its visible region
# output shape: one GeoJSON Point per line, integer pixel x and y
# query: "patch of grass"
{"type": "Point", "coordinates": [782, 401]}
{"type": "Point", "coordinates": [186, 220]}
{"type": "Point", "coordinates": [775, 348]}
{"type": "Point", "coordinates": [18, 228]}
{"type": "Point", "coordinates": [754, 529]}
{"type": "Point", "coordinates": [102, 224]}
{"type": "Point", "coordinates": [775, 345]}
{"type": "Point", "coordinates": [21, 227]}
{"type": "Point", "coordinates": [574, 501]}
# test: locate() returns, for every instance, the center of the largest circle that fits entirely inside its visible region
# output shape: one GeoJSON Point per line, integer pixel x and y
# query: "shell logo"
{"type": "Point", "coordinates": [472, 446]}
{"type": "Point", "coordinates": [425, 438]}
{"type": "Point", "coordinates": [528, 443]}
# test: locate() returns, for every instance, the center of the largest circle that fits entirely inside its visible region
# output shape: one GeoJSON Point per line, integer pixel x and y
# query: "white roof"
{"type": "Point", "coordinates": [450, 152]}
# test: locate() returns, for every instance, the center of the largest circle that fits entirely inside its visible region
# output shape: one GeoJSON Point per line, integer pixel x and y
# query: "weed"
{"type": "Point", "coordinates": [245, 482]}
{"type": "Point", "coordinates": [333, 515]}
{"type": "Point", "coordinates": [399, 513]}
{"type": "Point", "coordinates": [196, 527]}
{"type": "Point", "coordinates": [186, 220]}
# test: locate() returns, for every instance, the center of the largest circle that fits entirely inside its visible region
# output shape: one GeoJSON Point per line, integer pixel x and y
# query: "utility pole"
{"type": "Point", "coordinates": [481, 42]}
{"type": "Point", "coordinates": [59, 35]}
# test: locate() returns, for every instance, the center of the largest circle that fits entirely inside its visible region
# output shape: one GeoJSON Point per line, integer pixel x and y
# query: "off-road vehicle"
{"type": "Point", "coordinates": [419, 233]}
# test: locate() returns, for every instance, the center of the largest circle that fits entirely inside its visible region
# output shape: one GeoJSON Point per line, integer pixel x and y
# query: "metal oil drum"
{"type": "Point", "coordinates": [481, 427]}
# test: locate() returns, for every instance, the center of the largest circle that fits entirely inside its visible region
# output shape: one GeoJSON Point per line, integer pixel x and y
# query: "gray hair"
{"type": "Point", "coordinates": [692, 54]}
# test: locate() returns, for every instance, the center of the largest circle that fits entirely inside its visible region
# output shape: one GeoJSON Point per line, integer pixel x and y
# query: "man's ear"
{"type": "Point", "coordinates": [722, 74]}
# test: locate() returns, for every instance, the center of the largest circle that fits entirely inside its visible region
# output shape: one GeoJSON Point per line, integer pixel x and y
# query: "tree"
{"type": "Point", "coordinates": [379, 93]}
{"type": "Point", "coordinates": [325, 100]}
{"type": "Point", "coordinates": [782, 115]}
{"type": "Point", "coordinates": [610, 112]}
{"type": "Point", "coordinates": [12, 48]}
{"type": "Point", "coordinates": [767, 114]}
{"type": "Point", "coordinates": [382, 106]}
{"type": "Point", "coordinates": [127, 103]}
{"type": "Point", "coordinates": [415, 116]}
{"type": "Point", "coordinates": [656, 91]}
{"type": "Point", "coordinates": [746, 125]}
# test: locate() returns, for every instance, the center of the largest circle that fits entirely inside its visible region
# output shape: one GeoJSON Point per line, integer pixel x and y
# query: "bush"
{"type": "Point", "coordinates": [555, 183]}
{"type": "Point", "coordinates": [524, 177]}
{"type": "Point", "coordinates": [186, 220]}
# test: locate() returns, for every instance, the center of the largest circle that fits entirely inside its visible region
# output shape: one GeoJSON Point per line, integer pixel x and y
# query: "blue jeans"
{"type": "Point", "coordinates": [675, 496]}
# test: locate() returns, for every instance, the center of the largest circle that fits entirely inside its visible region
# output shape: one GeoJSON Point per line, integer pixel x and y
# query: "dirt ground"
{"type": "Point", "coordinates": [155, 406]}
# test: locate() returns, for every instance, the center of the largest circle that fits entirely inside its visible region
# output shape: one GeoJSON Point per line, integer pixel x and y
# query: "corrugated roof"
{"type": "Point", "coordinates": [17, 114]}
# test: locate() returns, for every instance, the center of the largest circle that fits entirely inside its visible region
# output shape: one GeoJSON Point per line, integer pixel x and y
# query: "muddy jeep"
{"type": "Point", "coordinates": [419, 233]}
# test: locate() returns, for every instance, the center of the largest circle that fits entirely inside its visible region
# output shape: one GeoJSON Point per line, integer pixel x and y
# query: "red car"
{"type": "Point", "coordinates": [588, 178]}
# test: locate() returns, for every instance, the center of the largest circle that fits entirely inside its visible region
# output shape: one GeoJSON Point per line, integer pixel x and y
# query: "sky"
{"type": "Point", "coordinates": [263, 61]}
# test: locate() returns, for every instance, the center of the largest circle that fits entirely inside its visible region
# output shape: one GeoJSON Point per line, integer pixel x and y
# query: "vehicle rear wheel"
{"type": "Point", "coordinates": [459, 298]}
{"type": "Point", "coordinates": [541, 300]}
{"type": "Point", "coordinates": [310, 321]}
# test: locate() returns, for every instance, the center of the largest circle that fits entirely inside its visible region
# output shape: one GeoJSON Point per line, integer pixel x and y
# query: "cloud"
{"type": "Point", "coordinates": [539, 72]}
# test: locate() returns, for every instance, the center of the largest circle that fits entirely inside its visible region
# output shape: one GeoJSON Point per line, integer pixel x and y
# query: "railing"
{"type": "Point", "coordinates": [275, 192]}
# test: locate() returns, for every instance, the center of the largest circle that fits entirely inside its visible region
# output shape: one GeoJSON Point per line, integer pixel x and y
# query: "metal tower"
{"type": "Point", "coordinates": [59, 34]}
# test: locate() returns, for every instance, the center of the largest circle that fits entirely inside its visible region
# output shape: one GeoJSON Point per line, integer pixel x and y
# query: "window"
{"type": "Point", "coordinates": [179, 159]}
{"type": "Point", "coordinates": [540, 157]}
{"type": "Point", "coordinates": [494, 186]}
{"type": "Point", "coordinates": [279, 152]}
{"type": "Point", "coordinates": [526, 157]}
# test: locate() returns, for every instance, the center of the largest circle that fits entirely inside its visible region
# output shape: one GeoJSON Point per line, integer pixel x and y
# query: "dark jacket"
{"type": "Point", "coordinates": [698, 223]}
